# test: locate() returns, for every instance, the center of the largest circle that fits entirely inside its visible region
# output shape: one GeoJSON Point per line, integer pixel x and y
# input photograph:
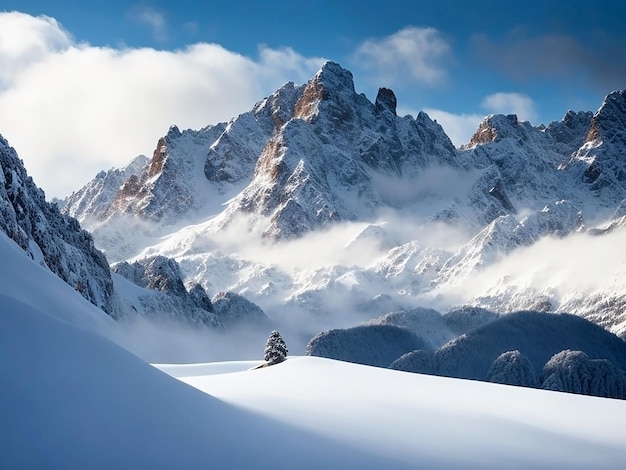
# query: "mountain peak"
{"type": "Point", "coordinates": [493, 127]}
{"type": "Point", "coordinates": [610, 120]}
{"type": "Point", "coordinates": [331, 80]}
{"type": "Point", "coordinates": [173, 132]}
{"type": "Point", "coordinates": [333, 75]}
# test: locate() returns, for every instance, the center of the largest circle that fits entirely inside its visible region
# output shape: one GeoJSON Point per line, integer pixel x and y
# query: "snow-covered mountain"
{"type": "Point", "coordinates": [599, 161]}
{"type": "Point", "coordinates": [320, 201]}
{"type": "Point", "coordinates": [151, 288]}
{"type": "Point", "coordinates": [358, 146]}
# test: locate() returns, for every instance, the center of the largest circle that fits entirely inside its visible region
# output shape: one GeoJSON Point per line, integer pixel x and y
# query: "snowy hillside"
{"type": "Point", "coordinates": [415, 420]}
{"type": "Point", "coordinates": [31, 283]}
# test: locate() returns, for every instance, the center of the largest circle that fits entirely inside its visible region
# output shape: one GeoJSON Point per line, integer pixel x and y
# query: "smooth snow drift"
{"type": "Point", "coordinates": [420, 421]}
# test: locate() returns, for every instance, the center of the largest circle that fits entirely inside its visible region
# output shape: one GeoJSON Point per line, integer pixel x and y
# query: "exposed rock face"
{"type": "Point", "coordinates": [609, 123]}
{"type": "Point", "coordinates": [157, 273]}
{"type": "Point", "coordinates": [516, 152]}
{"type": "Point", "coordinates": [167, 188]}
{"type": "Point", "coordinates": [95, 198]}
{"type": "Point", "coordinates": [50, 238]}
{"type": "Point", "coordinates": [386, 101]}
{"type": "Point", "coordinates": [189, 170]}
{"type": "Point", "coordinates": [312, 155]}
{"type": "Point", "coordinates": [306, 154]}
{"type": "Point", "coordinates": [570, 132]}
{"type": "Point", "coordinates": [492, 129]}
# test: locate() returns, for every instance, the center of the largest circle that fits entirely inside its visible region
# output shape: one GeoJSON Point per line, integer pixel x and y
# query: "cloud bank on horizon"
{"type": "Point", "coordinates": [72, 108]}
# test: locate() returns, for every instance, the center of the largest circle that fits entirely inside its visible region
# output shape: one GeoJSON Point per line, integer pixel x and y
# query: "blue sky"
{"type": "Point", "coordinates": [98, 82]}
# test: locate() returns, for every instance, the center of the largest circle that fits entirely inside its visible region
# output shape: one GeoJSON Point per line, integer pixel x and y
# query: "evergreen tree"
{"type": "Point", "coordinates": [275, 349]}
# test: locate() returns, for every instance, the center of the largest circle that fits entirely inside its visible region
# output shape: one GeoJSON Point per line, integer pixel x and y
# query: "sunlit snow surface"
{"type": "Point", "coordinates": [423, 421]}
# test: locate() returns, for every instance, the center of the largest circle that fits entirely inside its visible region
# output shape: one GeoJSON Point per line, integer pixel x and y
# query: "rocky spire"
{"type": "Point", "coordinates": [386, 100]}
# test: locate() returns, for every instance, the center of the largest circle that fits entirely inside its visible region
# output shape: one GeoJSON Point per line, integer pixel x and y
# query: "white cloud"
{"type": "Point", "coordinates": [154, 19]}
{"type": "Point", "coordinates": [287, 63]}
{"type": "Point", "coordinates": [459, 127]}
{"type": "Point", "coordinates": [413, 54]}
{"type": "Point", "coordinates": [24, 40]}
{"type": "Point", "coordinates": [72, 109]}
{"type": "Point", "coordinates": [570, 271]}
{"type": "Point", "coordinates": [511, 103]}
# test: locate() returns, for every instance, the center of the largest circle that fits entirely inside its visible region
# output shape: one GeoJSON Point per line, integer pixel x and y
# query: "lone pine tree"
{"type": "Point", "coordinates": [275, 349]}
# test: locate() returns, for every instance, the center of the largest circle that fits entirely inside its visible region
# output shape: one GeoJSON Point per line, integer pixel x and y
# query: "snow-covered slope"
{"type": "Point", "coordinates": [413, 420]}
{"type": "Point", "coordinates": [95, 198]}
{"type": "Point", "coordinates": [72, 399]}
{"type": "Point", "coordinates": [510, 349]}
{"type": "Point", "coordinates": [31, 283]}
{"type": "Point", "coordinates": [58, 243]}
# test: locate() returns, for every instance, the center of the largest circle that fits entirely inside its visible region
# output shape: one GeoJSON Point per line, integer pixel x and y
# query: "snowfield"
{"type": "Point", "coordinates": [72, 398]}
{"type": "Point", "coordinates": [420, 421]}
